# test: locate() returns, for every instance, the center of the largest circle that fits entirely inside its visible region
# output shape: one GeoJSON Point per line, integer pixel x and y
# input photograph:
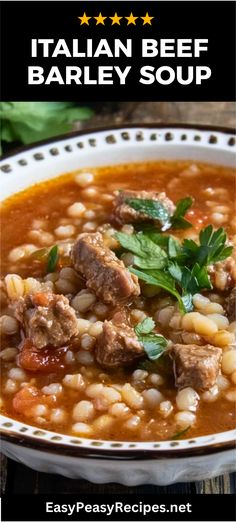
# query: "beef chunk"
{"type": "Point", "coordinates": [105, 274]}
{"type": "Point", "coordinates": [117, 345]}
{"type": "Point", "coordinates": [123, 213]}
{"type": "Point", "coordinates": [195, 366]}
{"type": "Point", "coordinates": [231, 305]}
{"type": "Point", "coordinates": [47, 319]}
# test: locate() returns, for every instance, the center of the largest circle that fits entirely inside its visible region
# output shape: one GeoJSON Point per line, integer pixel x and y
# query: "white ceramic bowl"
{"type": "Point", "coordinates": [103, 461]}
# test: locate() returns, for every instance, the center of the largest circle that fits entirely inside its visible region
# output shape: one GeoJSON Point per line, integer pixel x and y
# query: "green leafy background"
{"type": "Point", "coordinates": [27, 122]}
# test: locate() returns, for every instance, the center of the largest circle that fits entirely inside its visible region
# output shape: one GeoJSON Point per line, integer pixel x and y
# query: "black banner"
{"type": "Point", "coordinates": [118, 507]}
{"type": "Point", "coordinates": [173, 50]}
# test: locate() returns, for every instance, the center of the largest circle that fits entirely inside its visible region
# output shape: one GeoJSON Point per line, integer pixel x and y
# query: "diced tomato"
{"type": "Point", "coordinates": [47, 360]}
{"type": "Point", "coordinates": [41, 299]}
{"type": "Point", "coordinates": [28, 397]}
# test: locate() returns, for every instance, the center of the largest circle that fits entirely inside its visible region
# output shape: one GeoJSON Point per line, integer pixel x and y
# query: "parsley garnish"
{"type": "Point", "coordinates": [154, 344]}
{"type": "Point", "coordinates": [147, 254]}
{"type": "Point", "coordinates": [157, 211]}
{"type": "Point", "coordinates": [211, 248]}
{"type": "Point", "coordinates": [53, 257]}
{"type": "Point", "coordinates": [178, 220]}
{"type": "Point", "coordinates": [166, 282]}
{"type": "Point", "coordinates": [179, 269]}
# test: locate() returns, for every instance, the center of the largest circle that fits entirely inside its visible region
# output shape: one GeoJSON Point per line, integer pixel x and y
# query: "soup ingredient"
{"type": "Point", "coordinates": [105, 274]}
{"type": "Point", "coordinates": [53, 257]}
{"type": "Point", "coordinates": [165, 281]}
{"type": "Point", "coordinates": [33, 121]}
{"type": "Point", "coordinates": [131, 206]}
{"type": "Point", "coordinates": [195, 366]}
{"type": "Point", "coordinates": [154, 344]}
{"type": "Point", "coordinates": [30, 397]}
{"type": "Point", "coordinates": [47, 319]}
{"type": "Point", "coordinates": [117, 345]}
{"type": "Point", "coordinates": [161, 210]}
{"type": "Point", "coordinates": [211, 248]}
{"type": "Point", "coordinates": [223, 273]}
{"type": "Point", "coordinates": [182, 206]}
{"type": "Point", "coordinates": [147, 253]}
{"type": "Point", "coordinates": [186, 264]}
{"type": "Point", "coordinates": [44, 360]}
{"type": "Point", "coordinates": [231, 305]}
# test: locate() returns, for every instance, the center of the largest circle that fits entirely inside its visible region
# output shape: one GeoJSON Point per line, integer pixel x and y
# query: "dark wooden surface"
{"type": "Point", "coordinates": [16, 478]}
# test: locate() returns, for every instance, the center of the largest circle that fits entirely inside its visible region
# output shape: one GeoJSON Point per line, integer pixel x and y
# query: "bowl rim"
{"type": "Point", "coordinates": [109, 128]}
{"type": "Point", "coordinates": [151, 449]}
{"type": "Point", "coordinates": [143, 453]}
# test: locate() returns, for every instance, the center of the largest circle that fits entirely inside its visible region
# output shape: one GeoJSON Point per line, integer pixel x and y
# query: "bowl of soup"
{"type": "Point", "coordinates": [118, 304]}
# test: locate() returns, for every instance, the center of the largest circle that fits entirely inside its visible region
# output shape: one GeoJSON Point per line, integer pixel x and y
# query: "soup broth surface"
{"type": "Point", "coordinates": [69, 391]}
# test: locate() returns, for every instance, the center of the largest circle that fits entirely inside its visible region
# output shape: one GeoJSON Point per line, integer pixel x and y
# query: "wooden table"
{"type": "Point", "coordinates": [16, 478]}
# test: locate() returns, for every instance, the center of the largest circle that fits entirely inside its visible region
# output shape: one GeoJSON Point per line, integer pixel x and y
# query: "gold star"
{"type": "Point", "coordinates": [147, 19]}
{"type": "Point", "coordinates": [100, 19]}
{"type": "Point", "coordinates": [115, 19]}
{"type": "Point", "coordinates": [84, 19]}
{"type": "Point", "coordinates": [131, 19]}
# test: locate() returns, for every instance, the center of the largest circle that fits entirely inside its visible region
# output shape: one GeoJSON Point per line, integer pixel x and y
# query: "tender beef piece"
{"type": "Point", "coordinates": [223, 273]}
{"type": "Point", "coordinates": [231, 305]}
{"type": "Point", "coordinates": [104, 273]}
{"type": "Point", "coordinates": [117, 345]}
{"type": "Point", "coordinates": [47, 319]}
{"type": "Point", "coordinates": [123, 213]}
{"type": "Point", "coordinates": [195, 366]}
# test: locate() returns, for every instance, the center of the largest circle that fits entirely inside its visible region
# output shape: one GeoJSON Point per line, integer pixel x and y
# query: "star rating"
{"type": "Point", "coordinates": [84, 19]}
{"type": "Point", "coordinates": [115, 19]}
{"type": "Point", "coordinates": [131, 19]}
{"type": "Point", "coordinates": [100, 19]}
{"type": "Point", "coordinates": [147, 19]}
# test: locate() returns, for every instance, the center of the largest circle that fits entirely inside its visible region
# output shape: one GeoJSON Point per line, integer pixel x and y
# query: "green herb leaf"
{"type": "Point", "coordinates": [211, 248]}
{"type": "Point", "coordinates": [153, 344]}
{"type": "Point", "coordinates": [151, 208]}
{"type": "Point", "coordinates": [53, 257]}
{"type": "Point", "coordinates": [175, 271]}
{"type": "Point", "coordinates": [174, 247]}
{"type": "Point", "coordinates": [33, 121]}
{"type": "Point", "coordinates": [182, 206]}
{"type": "Point", "coordinates": [149, 255]}
{"type": "Point", "coordinates": [179, 434]}
{"type": "Point", "coordinates": [157, 211]}
{"type": "Point", "coordinates": [145, 327]}
{"type": "Point", "coordinates": [187, 300]}
{"type": "Point", "coordinates": [192, 280]}
{"type": "Point", "coordinates": [163, 280]}
{"type": "Point", "coordinates": [157, 238]}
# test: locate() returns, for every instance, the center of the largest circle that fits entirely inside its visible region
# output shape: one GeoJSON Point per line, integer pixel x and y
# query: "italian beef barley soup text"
{"type": "Point", "coordinates": [118, 302]}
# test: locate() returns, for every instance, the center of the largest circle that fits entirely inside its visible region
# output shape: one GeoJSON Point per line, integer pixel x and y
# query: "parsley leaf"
{"type": "Point", "coordinates": [211, 248]}
{"type": "Point", "coordinates": [152, 208]}
{"type": "Point", "coordinates": [145, 327]}
{"type": "Point", "coordinates": [165, 281]}
{"type": "Point", "coordinates": [192, 280]}
{"type": "Point", "coordinates": [157, 211]}
{"type": "Point", "coordinates": [53, 257]}
{"type": "Point", "coordinates": [182, 206]}
{"type": "Point", "coordinates": [148, 254]}
{"type": "Point", "coordinates": [153, 344]}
